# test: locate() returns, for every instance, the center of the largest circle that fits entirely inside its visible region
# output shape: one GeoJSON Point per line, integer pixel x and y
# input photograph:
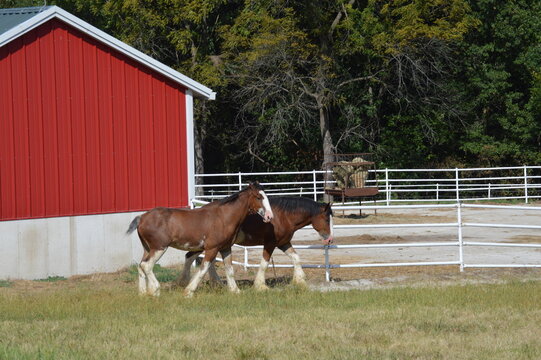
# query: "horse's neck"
{"type": "Point", "coordinates": [299, 220]}
{"type": "Point", "coordinates": [234, 209]}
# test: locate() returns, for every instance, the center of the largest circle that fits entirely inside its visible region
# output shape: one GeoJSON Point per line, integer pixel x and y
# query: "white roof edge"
{"type": "Point", "coordinates": [56, 12]}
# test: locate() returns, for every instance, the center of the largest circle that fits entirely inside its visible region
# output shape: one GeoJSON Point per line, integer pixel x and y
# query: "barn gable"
{"type": "Point", "coordinates": [18, 21]}
{"type": "Point", "coordinates": [90, 125]}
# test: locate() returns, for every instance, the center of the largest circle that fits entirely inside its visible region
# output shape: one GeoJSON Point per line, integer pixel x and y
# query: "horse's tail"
{"type": "Point", "coordinates": [133, 225]}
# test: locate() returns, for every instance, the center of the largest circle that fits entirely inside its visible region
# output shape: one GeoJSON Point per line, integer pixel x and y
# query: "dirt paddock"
{"type": "Point", "coordinates": [344, 278]}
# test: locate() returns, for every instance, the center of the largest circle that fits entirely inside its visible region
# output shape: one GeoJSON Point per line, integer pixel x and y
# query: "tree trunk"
{"type": "Point", "coordinates": [199, 159]}
{"type": "Point", "coordinates": [198, 139]}
{"type": "Point", "coordinates": [328, 147]}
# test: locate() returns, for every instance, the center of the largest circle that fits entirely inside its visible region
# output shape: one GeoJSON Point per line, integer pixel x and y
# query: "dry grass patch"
{"type": "Point", "coordinates": [105, 319]}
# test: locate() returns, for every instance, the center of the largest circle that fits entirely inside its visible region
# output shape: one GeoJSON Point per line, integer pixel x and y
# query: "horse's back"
{"type": "Point", "coordinates": [170, 224]}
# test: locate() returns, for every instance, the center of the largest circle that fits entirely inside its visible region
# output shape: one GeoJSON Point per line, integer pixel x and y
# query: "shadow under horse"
{"type": "Point", "coordinates": [209, 229]}
{"type": "Point", "coordinates": [290, 215]}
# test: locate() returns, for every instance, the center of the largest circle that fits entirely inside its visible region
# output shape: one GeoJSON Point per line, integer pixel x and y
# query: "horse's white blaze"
{"type": "Point", "coordinates": [259, 282]}
{"type": "Point", "coordinates": [266, 204]}
{"type": "Point", "coordinates": [331, 226]}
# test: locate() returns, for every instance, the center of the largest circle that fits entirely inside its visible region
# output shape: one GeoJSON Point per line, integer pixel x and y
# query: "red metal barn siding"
{"type": "Point", "coordinates": [86, 130]}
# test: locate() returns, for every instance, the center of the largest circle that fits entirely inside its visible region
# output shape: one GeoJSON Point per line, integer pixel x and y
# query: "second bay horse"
{"type": "Point", "coordinates": [290, 214]}
{"type": "Point", "coordinates": [209, 229]}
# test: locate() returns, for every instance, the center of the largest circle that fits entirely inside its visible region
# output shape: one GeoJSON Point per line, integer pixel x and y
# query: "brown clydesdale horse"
{"type": "Point", "coordinates": [290, 214]}
{"type": "Point", "coordinates": [211, 229]}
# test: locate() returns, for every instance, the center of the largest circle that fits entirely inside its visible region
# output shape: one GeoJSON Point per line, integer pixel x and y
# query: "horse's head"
{"type": "Point", "coordinates": [259, 202]}
{"type": "Point", "coordinates": [322, 223]}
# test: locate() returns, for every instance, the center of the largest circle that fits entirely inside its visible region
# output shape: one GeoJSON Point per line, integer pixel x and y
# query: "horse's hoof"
{"type": "Point", "coordinates": [188, 294]}
{"type": "Point", "coordinates": [299, 282]}
{"type": "Point", "coordinates": [261, 287]}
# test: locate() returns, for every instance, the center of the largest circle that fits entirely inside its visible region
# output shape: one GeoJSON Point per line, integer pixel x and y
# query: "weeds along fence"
{"type": "Point", "coordinates": [458, 243]}
{"type": "Point", "coordinates": [395, 186]}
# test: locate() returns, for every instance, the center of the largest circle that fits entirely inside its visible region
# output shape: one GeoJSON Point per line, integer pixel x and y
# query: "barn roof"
{"type": "Point", "coordinates": [18, 21]}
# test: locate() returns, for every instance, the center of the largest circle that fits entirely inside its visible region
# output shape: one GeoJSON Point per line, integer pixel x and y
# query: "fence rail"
{"type": "Point", "coordinates": [443, 188]}
{"type": "Point", "coordinates": [458, 243]}
{"type": "Point", "coordinates": [395, 185]}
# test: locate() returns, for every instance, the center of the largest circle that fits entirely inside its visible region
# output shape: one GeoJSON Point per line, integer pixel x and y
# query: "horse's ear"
{"type": "Point", "coordinates": [255, 185]}
{"type": "Point", "coordinates": [328, 206]}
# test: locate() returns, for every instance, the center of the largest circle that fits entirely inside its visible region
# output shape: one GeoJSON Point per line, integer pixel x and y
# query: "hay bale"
{"type": "Point", "coordinates": [348, 175]}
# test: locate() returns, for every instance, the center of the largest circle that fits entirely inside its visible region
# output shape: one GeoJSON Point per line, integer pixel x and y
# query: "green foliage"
{"type": "Point", "coordinates": [501, 84]}
{"type": "Point", "coordinates": [419, 82]}
{"type": "Point", "coordinates": [403, 22]}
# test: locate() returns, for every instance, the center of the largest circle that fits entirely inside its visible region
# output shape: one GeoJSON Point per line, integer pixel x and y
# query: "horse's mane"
{"type": "Point", "coordinates": [295, 203]}
{"type": "Point", "coordinates": [236, 195]}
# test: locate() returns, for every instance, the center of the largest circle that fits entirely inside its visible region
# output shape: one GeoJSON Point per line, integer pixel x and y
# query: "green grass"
{"type": "Point", "coordinates": [52, 279]}
{"type": "Point", "coordinates": [498, 321]}
{"type": "Point", "coordinates": [163, 274]}
{"type": "Point", "coordinates": [5, 283]}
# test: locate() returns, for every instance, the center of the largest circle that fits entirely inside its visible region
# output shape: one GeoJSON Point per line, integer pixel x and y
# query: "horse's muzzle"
{"type": "Point", "coordinates": [266, 215]}
{"type": "Point", "coordinates": [327, 240]}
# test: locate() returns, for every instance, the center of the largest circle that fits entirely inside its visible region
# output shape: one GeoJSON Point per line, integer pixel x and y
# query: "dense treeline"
{"type": "Point", "coordinates": [419, 82]}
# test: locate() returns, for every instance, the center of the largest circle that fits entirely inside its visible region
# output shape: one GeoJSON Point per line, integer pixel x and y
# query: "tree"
{"type": "Point", "coordinates": [500, 75]}
{"type": "Point", "coordinates": [298, 64]}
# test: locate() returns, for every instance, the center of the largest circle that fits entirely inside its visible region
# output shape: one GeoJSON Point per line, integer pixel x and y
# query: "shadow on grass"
{"type": "Point", "coordinates": [243, 284]}
{"type": "Point", "coordinates": [273, 282]}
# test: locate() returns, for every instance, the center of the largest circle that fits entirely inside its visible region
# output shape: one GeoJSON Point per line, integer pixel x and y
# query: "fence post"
{"type": "Point", "coordinates": [460, 241]}
{"type": "Point", "coordinates": [315, 184]}
{"type": "Point", "coordinates": [327, 266]}
{"type": "Point", "coordinates": [457, 186]}
{"type": "Point", "coordinates": [240, 181]}
{"type": "Point", "coordinates": [525, 184]}
{"type": "Point", "coordinates": [245, 258]}
{"type": "Point", "coordinates": [489, 190]}
{"type": "Point", "coordinates": [387, 190]}
{"type": "Point", "coordinates": [437, 191]}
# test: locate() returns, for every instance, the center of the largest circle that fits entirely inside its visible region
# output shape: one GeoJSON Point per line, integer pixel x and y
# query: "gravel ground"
{"type": "Point", "coordinates": [391, 276]}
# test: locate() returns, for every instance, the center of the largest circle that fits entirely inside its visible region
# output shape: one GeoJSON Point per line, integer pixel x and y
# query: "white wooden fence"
{"type": "Point", "coordinates": [444, 188]}
{"type": "Point", "coordinates": [395, 185]}
{"type": "Point", "coordinates": [458, 242]}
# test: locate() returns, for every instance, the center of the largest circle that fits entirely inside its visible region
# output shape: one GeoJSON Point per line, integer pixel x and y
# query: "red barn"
{"type": "Point", "coordinates": [89, 126]}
